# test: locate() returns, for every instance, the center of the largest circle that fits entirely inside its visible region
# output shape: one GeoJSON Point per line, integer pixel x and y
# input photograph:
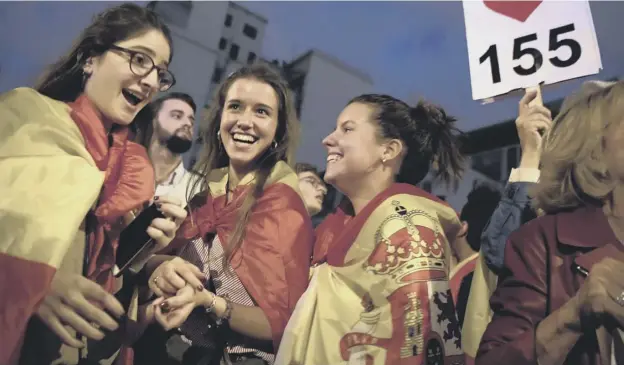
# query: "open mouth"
{"type": "Point", "coordinates": [132, 97]}
{"type": "Point", "coordinates": [333, 157]}
{"type": "Point", "coordinates": [244, 138]}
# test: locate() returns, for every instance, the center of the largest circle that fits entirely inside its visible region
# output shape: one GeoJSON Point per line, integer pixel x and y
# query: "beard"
{"type": "Point", "coordinates": [178, 145]}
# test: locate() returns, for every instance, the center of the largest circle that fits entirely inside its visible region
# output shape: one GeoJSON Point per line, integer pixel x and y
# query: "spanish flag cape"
{"type": "Point", "coordinates": [273, 261]}
{"type": "Point", "coordinates": [478, 311]}
{"type": "Point", "coordinates": [460, 271]}
{"type": "Point", "coordinates": [58, 166]}
{"type": "Point", "coordinates": [380, 294]}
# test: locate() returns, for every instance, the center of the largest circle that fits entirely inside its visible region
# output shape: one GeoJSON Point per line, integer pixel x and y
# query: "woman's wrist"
{"type": "Point", "coordinates": [206, 299]}
{"type": "Point", "coordinates": [214, 304]}
{"type": "Point", "coordinates": [221, 306]}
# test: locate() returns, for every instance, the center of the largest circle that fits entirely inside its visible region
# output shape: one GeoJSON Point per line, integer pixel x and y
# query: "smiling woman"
{"type": "Point", "coordinates": [250, 232]}
{"type": "Point", "coordinates": [75, 178]}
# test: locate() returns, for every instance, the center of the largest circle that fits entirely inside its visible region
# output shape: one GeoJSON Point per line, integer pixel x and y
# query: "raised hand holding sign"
{"type": "Point", "coordinates": [519, 44]}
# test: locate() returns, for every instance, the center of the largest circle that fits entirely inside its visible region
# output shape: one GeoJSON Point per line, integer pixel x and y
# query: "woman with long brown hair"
{"type": "Point", "coordinates": [72, 177]}
{"type": "Point", "coordinates": [248, 230]}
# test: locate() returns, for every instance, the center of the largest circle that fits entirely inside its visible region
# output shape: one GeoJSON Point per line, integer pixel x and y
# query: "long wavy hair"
{"type": "Point", "coordinates": [64, 80]}
{"type": "Point", "coordinates": [574, 171]}
{"type": "Point", "coordinates": [213, 155]}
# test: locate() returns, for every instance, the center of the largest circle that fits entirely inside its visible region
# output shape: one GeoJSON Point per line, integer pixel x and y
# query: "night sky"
{"type": "Point", "coordinates": [411, 49]}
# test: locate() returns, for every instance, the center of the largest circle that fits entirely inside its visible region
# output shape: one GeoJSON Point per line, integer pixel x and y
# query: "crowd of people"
{"type": "Point", "coordinates": [238, 273]}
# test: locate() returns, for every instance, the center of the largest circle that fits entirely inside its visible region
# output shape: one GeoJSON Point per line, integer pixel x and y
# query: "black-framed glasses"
{"type": "Point", "coordinates": [142, 65]}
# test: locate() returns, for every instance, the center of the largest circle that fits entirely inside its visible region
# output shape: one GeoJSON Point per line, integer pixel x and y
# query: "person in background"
{"type": "Point", "coordinates": [513, 210]}
{"type": "Point", "coordinates": [560, 297]}
{"type": "Point", "coordinates": [248, 230]}
{"type": "Point", "coordinates": [73, 178]}
{"type": "Point", "coordinates": [167, 133]}
{"type": "Point", "coordinates": [379, 288]}
{"type": "Point", "coordinates": [482, 201]}
{"type": "Point", "coordinates": [165, 129]}
{"type": "Point", "coordinates": [313, 189]}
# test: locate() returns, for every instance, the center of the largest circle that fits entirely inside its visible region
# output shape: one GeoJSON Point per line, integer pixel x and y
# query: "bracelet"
{"type": "Point", "coordinates": [227, 314]}
{"type": "Point", "coordinates": [211, 307]}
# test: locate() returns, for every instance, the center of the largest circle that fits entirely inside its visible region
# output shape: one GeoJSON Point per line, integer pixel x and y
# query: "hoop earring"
{"type": "Point", "coordinates": [219, 136]}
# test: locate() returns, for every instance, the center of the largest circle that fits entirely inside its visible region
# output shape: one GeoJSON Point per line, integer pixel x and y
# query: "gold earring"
{"type": "Point", "coordinates": [383, 160]}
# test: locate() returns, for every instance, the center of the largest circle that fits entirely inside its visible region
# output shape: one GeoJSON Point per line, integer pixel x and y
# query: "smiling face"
{"type": "Point", "coordinates": [248, 122]}
{"type": "Point", "coordinates": [353, 148]}
{"type": "Point", "coordinates": [117, 92]}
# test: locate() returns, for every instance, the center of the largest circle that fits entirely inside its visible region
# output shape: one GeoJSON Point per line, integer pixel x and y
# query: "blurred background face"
{"type": "Point", "coordinates": [173, 125]}
{"type": "Point", "coordinates": [249, 121]}
{"type": "Point", "coordinates": [353, 148]}
{"type": "Point", "coordinates": [116, 91]}
{"type": "Point", "coordinates": [313, 191]}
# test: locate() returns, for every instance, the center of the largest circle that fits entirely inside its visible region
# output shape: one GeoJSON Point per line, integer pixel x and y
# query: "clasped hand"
{"type": "Point", "coordinates": [179, 285]}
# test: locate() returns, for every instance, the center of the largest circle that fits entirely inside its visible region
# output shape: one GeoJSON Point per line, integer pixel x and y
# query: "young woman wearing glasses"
{"type": "Point", "coordinates": [73, 178]}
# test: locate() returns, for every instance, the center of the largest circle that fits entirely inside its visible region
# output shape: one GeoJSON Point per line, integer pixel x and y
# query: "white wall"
{"type": "Point", "coordinates": [234, 33]}
{"type": "Point", "coordinates": [196, 47]}
{"type": "Point", "coordinates": [204, 24]}
{"type": "Point", "coordinates": [328, 87]}
{"type": "Point", "coordinates": [192, 67]}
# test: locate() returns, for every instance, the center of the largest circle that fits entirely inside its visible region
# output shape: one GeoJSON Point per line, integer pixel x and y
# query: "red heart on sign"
{"type": "Point", "coordinates": [519, 10]}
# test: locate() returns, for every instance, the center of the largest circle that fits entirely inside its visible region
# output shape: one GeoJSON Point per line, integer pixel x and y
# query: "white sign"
{"type": "Point", "coordinates": [519, 44]}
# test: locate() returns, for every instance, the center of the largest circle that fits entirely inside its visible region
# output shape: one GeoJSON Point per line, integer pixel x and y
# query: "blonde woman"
{"type": "Point", "coordinates": [560, 297]}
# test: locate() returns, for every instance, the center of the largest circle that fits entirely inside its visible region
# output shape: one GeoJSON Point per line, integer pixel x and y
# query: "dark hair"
{"type": "Point", "coordinates": [144, 121]}
{"type": "Point", "coordinates": [302, 167]}
{"type": "Point", "coordinates": [213, 155]}
{"type": "Point", "coordinates": [482, 201]}
{"type": "Point", "coordinates": [428, 133]}
{"type": "Point", "coordinates": [63, 81]}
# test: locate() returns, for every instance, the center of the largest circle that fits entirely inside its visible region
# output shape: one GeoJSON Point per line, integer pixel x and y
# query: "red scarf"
{"type": "Point", "coordinates": [273, 261]}
{"type": "Point", "coordinates": [128, 185]}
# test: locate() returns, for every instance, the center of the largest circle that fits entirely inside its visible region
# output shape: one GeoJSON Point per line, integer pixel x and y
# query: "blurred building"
{"type": "Point", "coordinates": [322, 86]}
{"type": "Point", "coordinates": [210, 39]}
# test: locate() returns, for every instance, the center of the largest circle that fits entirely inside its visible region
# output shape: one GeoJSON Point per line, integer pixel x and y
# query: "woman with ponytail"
{"type": "Point", "coordinates": [379, 291]}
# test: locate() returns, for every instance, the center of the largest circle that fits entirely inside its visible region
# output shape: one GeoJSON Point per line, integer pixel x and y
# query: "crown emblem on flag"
{"type": "Point", "coordinates": [409, 244]}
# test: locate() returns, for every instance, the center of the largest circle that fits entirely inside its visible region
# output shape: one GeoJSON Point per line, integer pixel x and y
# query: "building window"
{"type": "Point", "coordinates": [222, 43]}
{"type": "Point", "coordinates": [173, 12]}
{"type": "Point", "coordinates": [250, 31]}
{"type": "Point", "coordinates": [251, 57]}
{"type": "Point", "coordinates": [216, 75]}
{"type": "Point", "coordinates": [228, 20]}
{"type": "Point", "coordinates": [234, 52]}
